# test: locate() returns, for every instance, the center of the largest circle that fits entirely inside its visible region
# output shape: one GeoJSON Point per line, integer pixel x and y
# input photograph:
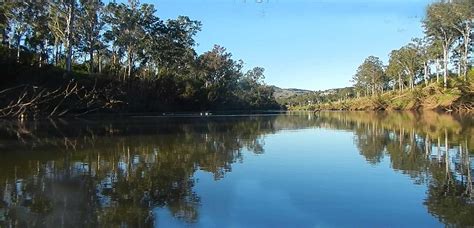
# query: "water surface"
{"type": "Point", "coordinates": [327, 169]}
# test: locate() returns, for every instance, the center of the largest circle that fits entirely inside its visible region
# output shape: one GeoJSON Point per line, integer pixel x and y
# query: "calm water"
{"type": "Point", "coordinates": [289, 170]}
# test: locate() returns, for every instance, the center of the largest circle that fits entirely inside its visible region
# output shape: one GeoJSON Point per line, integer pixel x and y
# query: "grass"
{"type": "Point", "coordinates": [459, 97]}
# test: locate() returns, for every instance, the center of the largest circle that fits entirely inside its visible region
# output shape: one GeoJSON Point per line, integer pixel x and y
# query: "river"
{"type": "Point", "coordinates": [327, 169]}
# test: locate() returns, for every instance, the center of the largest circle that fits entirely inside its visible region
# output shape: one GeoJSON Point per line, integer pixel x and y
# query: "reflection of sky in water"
{"type": "Point", "coordinates": [310, 178]}
{"type": "Point", "coordinates": [309, 170]}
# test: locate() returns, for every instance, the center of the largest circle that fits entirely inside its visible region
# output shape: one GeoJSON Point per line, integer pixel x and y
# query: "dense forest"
{"type": "Point", "coordinates": [83, 56]}
{"type": "Point", "coordinates": [438, 64]}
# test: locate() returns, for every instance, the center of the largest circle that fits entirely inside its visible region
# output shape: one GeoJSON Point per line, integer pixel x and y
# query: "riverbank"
{"type": "Point", "coordinates": [459, 98]}
{"type": "Point", "coordinates": [28, 90]}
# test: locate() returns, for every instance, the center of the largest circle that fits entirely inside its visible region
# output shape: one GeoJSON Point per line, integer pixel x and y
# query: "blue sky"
{"type": "Point", "coordinates": [302, 44]}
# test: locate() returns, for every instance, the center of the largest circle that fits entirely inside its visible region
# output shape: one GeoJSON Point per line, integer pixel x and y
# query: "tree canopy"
{"type": "Point", "coordinates": [152, 61]}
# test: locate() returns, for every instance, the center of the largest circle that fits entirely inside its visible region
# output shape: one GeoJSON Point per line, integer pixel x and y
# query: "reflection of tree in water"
{"type": "Point", "coordinates": [114, 173]}
{"type": "Point", "coordinates": [371, 141]}
{"type": "Point", "coordinates": [110, 173]}
{"type": "Point", "coordinates": [432, 149]}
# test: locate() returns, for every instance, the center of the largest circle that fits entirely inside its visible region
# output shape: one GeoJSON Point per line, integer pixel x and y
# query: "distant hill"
{"type": "Point", "coordinates": [285, 93]}
{"type": "Point", "coordinates": [302, 96]}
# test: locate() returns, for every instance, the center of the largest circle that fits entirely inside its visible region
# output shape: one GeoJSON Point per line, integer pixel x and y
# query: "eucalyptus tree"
{"type": "Point", "coordinates": [173, 47]}
{"type": "Point", "coordinates": [219, 74]}
{"type": "Point", "coordinates": [64, 27]}
{"type": "Point", "coordinates": [410, 59]}
{"type": "Point", "coordinates": [464, 23]}
{"type": "Point", "coordinates": [91, 26]}
{"type": "Point", "coordinates": [438, 24]}
{"type": "Point", "coordinates": [39, 36]}
{"type": "Point", "coordinates": [252, 90]}
{"type": "Point", "coordinates": [422, 46]}
{"type": "Point", "coordinates": [4, 21]}
{"type": "Point", "coordinates": [130, 28]}
{"type": "Point", "coordinates": [395, 70]}
{"type": "Point", "coordinates": [435, 54]}
{"type": "Point", "coordinates": [371, 76]}
{"type": "Point", "coordinates": [19, 23]}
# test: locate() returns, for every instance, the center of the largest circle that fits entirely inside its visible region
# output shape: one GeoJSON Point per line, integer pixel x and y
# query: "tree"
{"type": "Point", "coordinates": [439, 26]}
{"type": "Point", "coordinates": [422, 46]}
{"type": "Point", "coordinates": [63, 26]}
{"type": "Point", "coordinates": [4, 21]}
{"type": "Point", "coordinates": [172, 47]}
{"type": "Point", "coordinates": [412, 62]}
{"type": "Point", "coordinates": [130, 28]}
{"type": "Point", "coordinates": [158, 55]}
{"type": "Point", "coordinates": [371, 76]}
{"type": "Point", "coordinates": [253, 91]}
{"type": "Point", "coordinates": [21, 14]}
{"type": "Point", "coordinates": [395, 70]}
{"type": "Point", "coordinates": [464, 23]}
{"type": "Point", "coordinates": [91, 25]}
{"type": "Point", "coordinates": [435, 54]}
{"type": "Point", "coordinates": [39, 34]}
{"type": "Point", "coordinates": [412, 58]}
{"type": "Point", "coordinates": [220, 74]}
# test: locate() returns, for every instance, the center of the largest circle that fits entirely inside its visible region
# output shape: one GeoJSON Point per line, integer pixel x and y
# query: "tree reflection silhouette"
{"type": "Point", "coordinates": [115, 172]}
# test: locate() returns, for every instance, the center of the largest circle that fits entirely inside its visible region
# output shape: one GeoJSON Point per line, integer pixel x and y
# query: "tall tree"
{"type": "Point", "coordinates": [371, 76]}
{"type": "Point", "coordinates": [21, 18]}
{"type": "Point", "coordinates": [173, 47]}
{"type": "Point", "coordinates": [435, 54]}
{"type": "Point", "coordinates": [91, 25]}
{"type": "Point", "coordinates": [464, 23]}
{"type": "Point", "coordinates": [410, 58]}
{"type": "Point", "coordinates": [130, 28]}
{"type": "Point", "coordinates": [4, 21]}
{"type": "Point", "coordinates": [40, 35]}
{"type": "Point", "coordinates": [63, 25]}
{"type": "Point", "coordinates": [422, 46]}
{"type": "Point", "coordinates": [395, 70]}
{"type": "Point", "coordinates": [220, 74]}
{"type": "Point", "coordinates": [438, 25]}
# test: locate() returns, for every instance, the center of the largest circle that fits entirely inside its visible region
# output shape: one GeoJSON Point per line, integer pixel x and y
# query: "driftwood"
{"type": "Point", "coordinates": [466, 107]}
{"type": "Point", "coordinates": [29, 100]}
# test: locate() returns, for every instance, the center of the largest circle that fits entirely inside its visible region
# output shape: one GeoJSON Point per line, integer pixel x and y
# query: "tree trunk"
{"type": "Point", "coordinates": [445, 64]}
{"type": "Point", "coordinates": [99, 61]}
{"type": "Point", "coordinates": [18, 49]}
{"type": "Point", "coordinates": [56, 47]}
{"type": "Point", "coordinates": [410, 83]}
{"type": "Point", "coordinates": [129, 71]}
{"type": "Point", "coordinates": [91, 59]}
{"type": "Point", "coordinates": [400, 86]}
{"type": "Point", "coordinates": [373, 85]}
{"type": "Point", "coordinates": [426, 69]}
{"type": "Point", "coordinates": [69, 31]}
{"type": "Point", "coordinates": [43, 47]}
{"type": "Point", "coordinates": [467, 43]}
{"type": "Point", "coordinates": [437, 70]}
{"type": "Point", "coordinates": [459, 67]}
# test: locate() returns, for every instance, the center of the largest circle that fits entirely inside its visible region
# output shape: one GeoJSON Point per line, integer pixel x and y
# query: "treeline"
{"type": "Point", "coordinates": [443, 53]}
{"type": "Point", "coordinates": [121, 53]}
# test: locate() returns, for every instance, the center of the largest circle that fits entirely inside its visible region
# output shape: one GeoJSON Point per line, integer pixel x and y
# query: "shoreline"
{"type": "Point", "coordinates": [431, 97]}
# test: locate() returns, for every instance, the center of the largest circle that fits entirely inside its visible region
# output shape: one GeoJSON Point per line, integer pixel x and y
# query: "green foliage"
{"type": "Point", "coordinates": [470, 75]}
{"type": "Point", "coordinates": [370, 77]}
{"type": "Point", "coordinates": [147, 63]}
